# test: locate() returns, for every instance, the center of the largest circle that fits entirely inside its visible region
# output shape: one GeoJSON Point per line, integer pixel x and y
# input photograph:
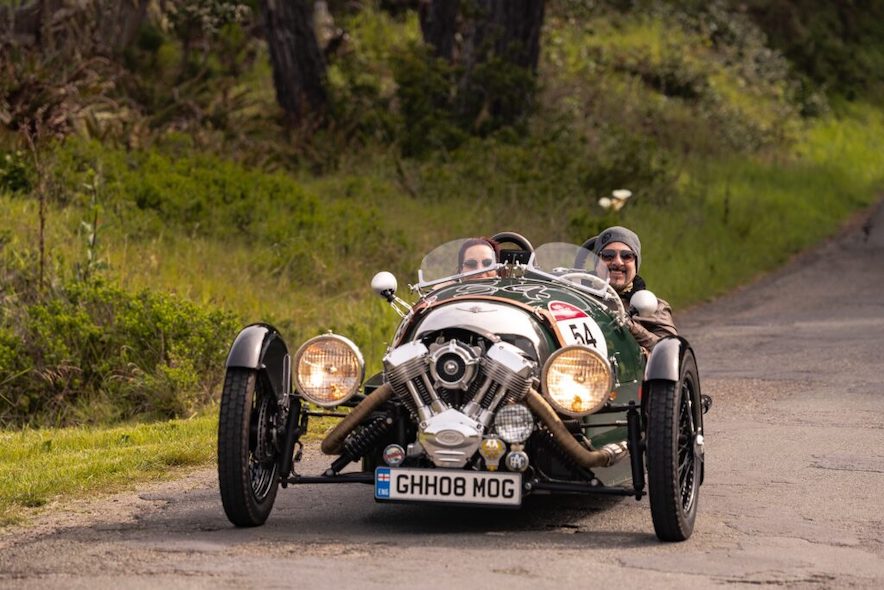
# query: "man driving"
{"type": "Point", "coordinates": [620, 251]}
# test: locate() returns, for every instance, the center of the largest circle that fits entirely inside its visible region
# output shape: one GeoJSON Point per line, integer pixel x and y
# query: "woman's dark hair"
{"type": "Point", "coordinates": [483, 241]}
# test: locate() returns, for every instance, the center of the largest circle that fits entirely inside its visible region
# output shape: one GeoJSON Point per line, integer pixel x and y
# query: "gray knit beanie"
{"type": "Point", "coordinates": [618, 234]}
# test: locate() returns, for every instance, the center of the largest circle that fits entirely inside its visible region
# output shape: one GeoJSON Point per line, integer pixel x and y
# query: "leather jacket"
{"type": "Point", "coordinates": [648, 330]}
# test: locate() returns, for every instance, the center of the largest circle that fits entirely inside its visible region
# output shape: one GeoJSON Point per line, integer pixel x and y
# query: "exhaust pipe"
{"type": "Point", "coordinates": [608, 455]}
{"type": "Point", "coordinates": [605, 457]}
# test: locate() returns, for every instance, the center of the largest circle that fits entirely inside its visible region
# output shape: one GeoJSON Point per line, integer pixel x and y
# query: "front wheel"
{"type": "Point", "coordinates": [675, 452]}
{"type": "Point", "coordinates": [247, 448]}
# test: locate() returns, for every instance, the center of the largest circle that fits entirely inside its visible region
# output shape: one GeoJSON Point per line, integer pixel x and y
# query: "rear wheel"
{"type": "Point", "coordinates": [675, 452]}
{"type": "Point", "coordinates": [248, 457]}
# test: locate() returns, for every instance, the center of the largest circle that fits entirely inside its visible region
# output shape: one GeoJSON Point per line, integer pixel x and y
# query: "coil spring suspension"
{"type": "Point", "coordinates": [546, 440]}
{"type": "Point", "coordinates": [361, 441]}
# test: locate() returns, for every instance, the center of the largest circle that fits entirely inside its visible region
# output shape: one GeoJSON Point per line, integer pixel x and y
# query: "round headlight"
{"type": "Point", "coordinates": [514, 423]}
{"type": "Point", "coordinates": [328, 370]}
{"type": "Point", "coordinates": [577, 380]}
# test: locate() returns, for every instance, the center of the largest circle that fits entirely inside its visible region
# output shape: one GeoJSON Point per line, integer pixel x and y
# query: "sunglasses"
{"type": "Point", "coordinates": [472, 263]}
{"type": "Point", "coordinates": [609, 255]}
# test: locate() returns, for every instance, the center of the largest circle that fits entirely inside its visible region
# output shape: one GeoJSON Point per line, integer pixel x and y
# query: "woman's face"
{"type": "Point", "coordinates": [479, 256]}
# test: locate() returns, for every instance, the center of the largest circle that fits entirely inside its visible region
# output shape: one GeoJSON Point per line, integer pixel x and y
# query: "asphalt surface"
{"type": "Point", "coordinates": [792, 498]}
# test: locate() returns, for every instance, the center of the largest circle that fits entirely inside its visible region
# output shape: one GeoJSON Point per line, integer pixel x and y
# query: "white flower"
{"type": "Point", "coordinates": [605, 203]}
{"type": "Point", "coordinates": [621, 194]}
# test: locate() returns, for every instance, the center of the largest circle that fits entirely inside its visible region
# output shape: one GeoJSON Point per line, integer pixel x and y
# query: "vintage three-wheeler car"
{"type": "Point", "coordinates": [492, 389]}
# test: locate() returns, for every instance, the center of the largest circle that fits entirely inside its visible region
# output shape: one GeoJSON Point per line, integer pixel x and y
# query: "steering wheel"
{"type": "Point", "coordinates": [508, 237]}
{"type": "Point", "coordinates": [511, 237]}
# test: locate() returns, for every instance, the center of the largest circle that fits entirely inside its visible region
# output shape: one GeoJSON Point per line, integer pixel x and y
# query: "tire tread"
{"type": "Point", "coordinates": [239, 503]}
{"type": "Point", "coordinates": [670, 521]}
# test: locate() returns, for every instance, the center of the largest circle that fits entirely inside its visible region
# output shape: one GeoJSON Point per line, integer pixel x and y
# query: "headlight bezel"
{"type": "Point", "coordinates": [303, 389]}
{"type": "Point", "coordinates": [597, 356]}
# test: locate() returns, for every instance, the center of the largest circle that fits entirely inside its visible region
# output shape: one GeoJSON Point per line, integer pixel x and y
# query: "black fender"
{"type": "Point", "coordinates": [260, 347]}
{"type": "Point", "coordinates": [665, 363]}
{"type": "Point", "coordinates": [665, 360]}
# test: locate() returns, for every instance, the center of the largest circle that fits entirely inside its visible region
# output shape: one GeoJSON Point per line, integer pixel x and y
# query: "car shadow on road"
{"type": "Point", "coordinates": [559, 520]}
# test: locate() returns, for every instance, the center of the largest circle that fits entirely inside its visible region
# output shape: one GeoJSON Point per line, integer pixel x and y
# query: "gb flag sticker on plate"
{"type": "Point", "coordinates": [576, 327]}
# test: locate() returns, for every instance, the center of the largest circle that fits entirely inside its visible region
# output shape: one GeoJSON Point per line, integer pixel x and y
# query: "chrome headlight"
{"type": "Point", "coordinates": [328, 370]}
{"type": "Point", "coordinates": [577, 380]}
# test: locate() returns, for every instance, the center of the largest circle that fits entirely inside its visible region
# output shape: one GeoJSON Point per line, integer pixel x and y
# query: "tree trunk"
{"type": "Point", "coordinates": [118, 23]}
{"type": "Point", "coordinates": [503, 34]}
{"type": "Point", "coordinates": [299, 71]}
{"type": "Point", "coordinates": [439, 25]}
{"type": "Point", "coordinates": [98, 26]}
{"type": "Point", "coordinates": [506, 29]}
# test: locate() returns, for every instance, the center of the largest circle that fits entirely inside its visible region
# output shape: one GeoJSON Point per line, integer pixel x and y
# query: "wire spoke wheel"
{"type": "Point", "coordinates": [675, 452]}
{"type": "Point", "coordinates": [262, 456]}
{"type": "Point", "coordinates": [248, 465]}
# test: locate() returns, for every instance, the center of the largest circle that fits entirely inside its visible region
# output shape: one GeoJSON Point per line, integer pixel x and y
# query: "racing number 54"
{"type": "Point", "coordinates": [584, 336]}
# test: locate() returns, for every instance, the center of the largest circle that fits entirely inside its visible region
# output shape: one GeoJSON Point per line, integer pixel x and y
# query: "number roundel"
{"type": "Point", "coordinates": [576, 327]}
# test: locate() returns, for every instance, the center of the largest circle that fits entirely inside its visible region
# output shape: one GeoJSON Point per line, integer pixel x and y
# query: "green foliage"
{"type": "Point", "coordinates": [90, 351]}
{"type": "Point", "coordinates": [671, 78]}
{"type": "Point", "coordinates": [838, 46]}
{"type": "Point", "coordinates": [207, 196]}
{"type": "Point", "coordinates": [15, 172]}
{"type": "Point", "coordinates": [440, 109]}
{"type": "Point", "coordinates": [426, 103]}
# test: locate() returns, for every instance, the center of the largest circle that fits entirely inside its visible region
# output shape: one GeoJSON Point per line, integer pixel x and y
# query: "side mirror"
{"type": "Point", "coordinates": [643, 302]}
{"type": "Point", "coordinates": [384, 284]}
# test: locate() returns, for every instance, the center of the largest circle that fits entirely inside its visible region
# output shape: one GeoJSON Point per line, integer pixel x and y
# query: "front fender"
{"type": "Point", "coordinates": [665, 360]}
{"type": "Point", "coordinates": [260, 347]}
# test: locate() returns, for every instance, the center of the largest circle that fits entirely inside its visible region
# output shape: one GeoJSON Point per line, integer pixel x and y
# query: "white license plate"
{"type": "Point", "coordinates": [444, 485]}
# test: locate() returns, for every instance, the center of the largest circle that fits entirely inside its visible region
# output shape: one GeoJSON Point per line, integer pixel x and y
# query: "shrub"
{"type": "Point", "coordinates": [15, 172]}
{"type": "Point", "coordinates": [90, 349]}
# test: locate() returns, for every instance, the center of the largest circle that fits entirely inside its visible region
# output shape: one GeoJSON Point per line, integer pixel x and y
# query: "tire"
{"type": "Point", "coordinates": [674, 452]}
{"type": "Point", "coordinates": [248, 470]}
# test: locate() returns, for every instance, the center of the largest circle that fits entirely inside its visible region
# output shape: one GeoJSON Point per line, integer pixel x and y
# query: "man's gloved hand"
{"type": "Point", "coordinates": [645, 338]}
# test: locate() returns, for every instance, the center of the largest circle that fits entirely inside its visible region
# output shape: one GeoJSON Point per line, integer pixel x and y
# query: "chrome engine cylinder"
{"type": "Point", "coordinates": [508, 376]}
{"type": "Point", "coordinates": [406, 369]}
{"type": "Point", "coordinates": [452, 436]}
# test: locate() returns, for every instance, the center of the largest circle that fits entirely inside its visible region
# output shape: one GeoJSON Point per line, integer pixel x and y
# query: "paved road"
{"type": "Point", "coordinates": [792, 498]}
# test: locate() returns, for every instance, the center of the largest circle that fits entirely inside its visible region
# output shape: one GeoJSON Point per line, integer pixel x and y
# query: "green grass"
{"type": "Point", "coordinates": [40, 466]}
{"type": "Point", "coordinates": [740, 218]}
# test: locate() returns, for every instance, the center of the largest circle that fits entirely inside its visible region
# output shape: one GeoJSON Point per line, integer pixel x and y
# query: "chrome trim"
{"type": "Point", "coordinates": [553, 357]}
{"type": "Point", "coordinates": [469, 362]}
{"type": "Point", "coordinates": [353, 348]}
{"type": "Point", "coordinates": [450, 438]}
{"type": "Point", "coordinates": [485, 317]}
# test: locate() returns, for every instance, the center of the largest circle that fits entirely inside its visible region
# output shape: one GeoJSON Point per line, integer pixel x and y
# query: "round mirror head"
{"type": "Point", "coordinates": [644, 302]}
{"type": "Point", "coordinates": [384, 284]}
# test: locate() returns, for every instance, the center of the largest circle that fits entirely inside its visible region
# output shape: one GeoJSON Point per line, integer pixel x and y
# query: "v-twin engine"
{"type": "Point", "coordinates": [451, 432]}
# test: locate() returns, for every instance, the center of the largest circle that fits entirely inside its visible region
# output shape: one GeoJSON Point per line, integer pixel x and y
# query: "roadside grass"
{"type": "Point", "coordinates": [39, 466]}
